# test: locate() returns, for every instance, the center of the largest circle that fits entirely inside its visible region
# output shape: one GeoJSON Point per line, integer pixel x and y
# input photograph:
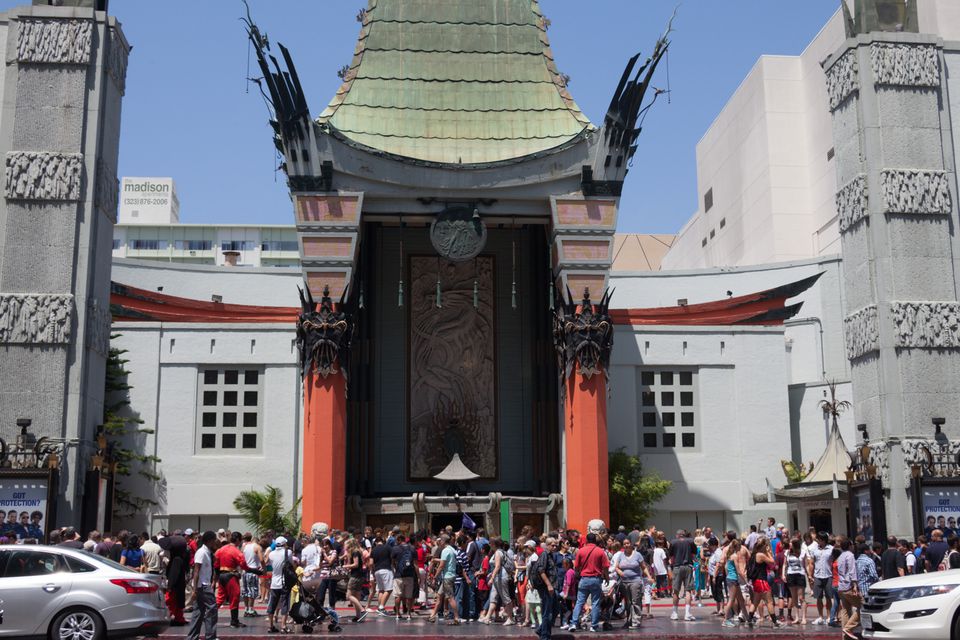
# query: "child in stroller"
{"type": "Point", "coordinates": [309, 612]}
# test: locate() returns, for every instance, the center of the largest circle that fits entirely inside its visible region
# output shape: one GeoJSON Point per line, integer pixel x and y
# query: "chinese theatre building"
{"type": "Point", "coordinates": [448, 192]}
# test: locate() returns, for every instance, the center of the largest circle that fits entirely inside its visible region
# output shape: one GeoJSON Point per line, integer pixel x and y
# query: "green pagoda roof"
{"type": "Point", "coordinates": [455, 82]}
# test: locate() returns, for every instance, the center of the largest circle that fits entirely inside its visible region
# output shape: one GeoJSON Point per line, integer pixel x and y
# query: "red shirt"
{"type": "Point", "coordinates": [592, 561]}
{"type": "Point", "coordinates": [229, 558]}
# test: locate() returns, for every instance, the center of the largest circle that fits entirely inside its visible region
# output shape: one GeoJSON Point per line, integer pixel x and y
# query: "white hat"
{"type": "Point", "coordinates": [221, 532]}
{"type": "Point", "coordinates": [188, 532]}
{"type": "Point", "coordinates": [320, 529]}
{"type": "Point", "coordinates": [531, 544]}
{"type": "Point", "coordinates": [281, 541]}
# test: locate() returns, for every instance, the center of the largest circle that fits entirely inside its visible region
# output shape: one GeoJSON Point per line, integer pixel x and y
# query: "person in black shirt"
{"type": "Point", "coordinates": [405, 576]}
{"type": "Point", "coordinates": [545, 583]}
{"type": "Point", "coordinates": [382, 573]}
{"type": "Point", "coordinates": [936, 550]}
{"type": "Point", "coordinates": [893, 564]}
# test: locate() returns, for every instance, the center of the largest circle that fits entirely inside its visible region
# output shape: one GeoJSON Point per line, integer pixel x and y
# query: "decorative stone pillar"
{"type": "Point", "coordinates": [896, 206]}
{"type": "Point", "coordinates": [583, 337]}
{"type": "Point", "coordinates": [324, 336]}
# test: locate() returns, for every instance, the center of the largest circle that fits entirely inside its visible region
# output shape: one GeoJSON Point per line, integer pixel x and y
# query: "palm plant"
{"type": "Point", "coordinates": [264, 510]}
{"type": "Point", "coordinates": [834, 407]}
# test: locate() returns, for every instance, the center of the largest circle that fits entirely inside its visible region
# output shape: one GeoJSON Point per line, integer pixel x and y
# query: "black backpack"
{"type": "Point", "coordinates": [288, 573]}
{"type": "Point", "coordinates": [534, 570]}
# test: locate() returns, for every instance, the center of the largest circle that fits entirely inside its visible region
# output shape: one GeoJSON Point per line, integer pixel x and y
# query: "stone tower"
{"type": "Point", "coordinates": [889, 96]}
{"type": "Point", "coordinates": [59, 134]}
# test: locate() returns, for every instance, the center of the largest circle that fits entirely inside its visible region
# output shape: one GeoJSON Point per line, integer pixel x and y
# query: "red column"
{"type": "Point", "coordinates": [324, 450]}
{"type": "Point", "coordinates": [585, 429]}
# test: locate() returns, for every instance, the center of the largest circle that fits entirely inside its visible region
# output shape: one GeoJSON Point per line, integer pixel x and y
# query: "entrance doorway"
{"type": "Point", "coordinates": [821, 519]}
{"type": "Point", "coordinates": [440, 521]}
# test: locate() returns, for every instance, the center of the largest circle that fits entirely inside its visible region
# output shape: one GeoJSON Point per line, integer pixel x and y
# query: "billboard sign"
{"type": "Point", "coordinates": [148, 201]}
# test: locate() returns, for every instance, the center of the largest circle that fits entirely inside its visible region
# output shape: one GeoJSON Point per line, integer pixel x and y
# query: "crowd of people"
{"type": "Point", "coordinates": [560, 579]}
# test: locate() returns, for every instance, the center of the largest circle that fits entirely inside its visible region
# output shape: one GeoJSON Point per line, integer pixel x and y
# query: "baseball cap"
{"type": "Point", "coordinates": [281, 541]}
{"type": "Point", "coordinates": [188, 532]}
{"type": "Point", "coordinates": [531, 544]}
{"type": "Point", "coordinates": [221, 532]}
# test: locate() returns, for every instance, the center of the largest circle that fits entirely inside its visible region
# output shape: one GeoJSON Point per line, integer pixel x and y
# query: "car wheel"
{"type": "Point", "coordinates": [77, 624]}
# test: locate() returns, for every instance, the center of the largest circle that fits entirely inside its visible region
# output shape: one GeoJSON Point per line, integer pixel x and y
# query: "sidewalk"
{"type": "Point", "coordinates": [707, 627]}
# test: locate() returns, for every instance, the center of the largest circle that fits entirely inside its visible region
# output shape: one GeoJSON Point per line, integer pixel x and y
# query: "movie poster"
{"type": "Point", "coordinates": [23, 504]}
{"type": "Point", "coordinates": [941, 509]}
{"type": "Point", "coordinates": [863, 513]}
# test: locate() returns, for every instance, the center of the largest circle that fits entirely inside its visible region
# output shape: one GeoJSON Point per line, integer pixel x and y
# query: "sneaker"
{"type": "Point", "coordinates": [509, 623]}
{"type": "Point", "coordinates": [674, 616]}
{"type": "Point", "coordinates": [819, 621]}
{"type": "Point", "coordinates": [382, 612]}
{"type": "Point", "coordinates": [595, 629]}
{"type": "Point", "coordinates": [730, 623]}
{"type": "Point", "coordinates": [360, 617]}
{"type": "Point", "coordinates": [689, 618]}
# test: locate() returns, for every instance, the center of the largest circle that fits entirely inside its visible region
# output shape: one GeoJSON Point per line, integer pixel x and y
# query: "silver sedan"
{"type": "Point", "coordinates": [66, 594]}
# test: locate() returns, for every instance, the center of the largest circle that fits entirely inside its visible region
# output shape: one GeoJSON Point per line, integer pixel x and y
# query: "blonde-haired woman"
{"type": "Point", "coordinates": [357, 569]}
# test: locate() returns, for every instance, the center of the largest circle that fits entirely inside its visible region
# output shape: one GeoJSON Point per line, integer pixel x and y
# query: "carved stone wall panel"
{"type": "Point", "coordinates": [905, 65]}
{"type": "Point", "coordinates": [98, 328]}
{"type": "Point", "coordinates": [852, 202]}
{"type": "Point", "coordinates": [861, 332]}
{"type": "Point", "coordinates": [117, 62]}
{"type": "Point", "coordinates": [927, 325]}
{"type": "Point", "coordinates": [915, 191]}
{"type": "Point", "coordinates": [43, 175]}
{"type": "Point", "coordinates": [843, 79]}
{"type": "Point", "coordinates": [452, 367]}
{"type": "Point", "coordinates": [51, 41]}
{"type": "Point", "coordinates": [880, 456]}
{"type": "Point", "coordinates": [107, 190]}
{"type": "Point", "coordinates": [35, 318]}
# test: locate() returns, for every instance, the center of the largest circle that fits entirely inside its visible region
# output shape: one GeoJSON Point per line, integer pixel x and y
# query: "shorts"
{"type": "Point", "coordinates": [384, 580]}
{"type": "Point", "coordinates": [823, 587]}
{"type": "Point", "coordinates": [404, 587]}
{"type": "Point", "coordinates": [500, 588]}
{"type": "Point", "coordinates": [761, 586]}
{"type": "Point", "coordinates": [796, 580]}
{"type": "Point", "coordinates": [448, 587]}
{"type": "Point", "coordinates": [278, 598]}
{"type": "Point", "coordinates": [355, 585]}
{"type": "Point", "coordinates": [683, 578]}
{"type": "Point", "coordinates": [250, 585]}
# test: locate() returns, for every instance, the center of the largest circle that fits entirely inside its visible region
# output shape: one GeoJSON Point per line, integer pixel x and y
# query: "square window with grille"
{"type": "Point", "coordinates": [667, 408]}
{"type": "Point", "coordinates": [229, 411]}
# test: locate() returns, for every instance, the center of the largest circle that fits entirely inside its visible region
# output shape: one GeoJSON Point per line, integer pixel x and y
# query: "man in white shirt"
{"type": "Point", "coordinates": [151, 556]}
{"type": "Point", "coordinates": [205, 606]}
{"type": "Point", "coordinates": [279, 596]}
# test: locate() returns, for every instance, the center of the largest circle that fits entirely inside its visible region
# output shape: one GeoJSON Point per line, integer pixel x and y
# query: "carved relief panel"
{"type": "Point", "coordinates": [452, 367]}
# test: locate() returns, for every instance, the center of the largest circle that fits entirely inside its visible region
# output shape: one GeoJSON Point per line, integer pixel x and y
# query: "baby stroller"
{"type": "Point", "coordinates": [308, 612]}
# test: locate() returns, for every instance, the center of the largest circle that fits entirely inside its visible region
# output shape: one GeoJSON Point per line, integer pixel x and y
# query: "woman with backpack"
{"type": "Point", "coordinates": [736, 573]}
{"type": "Point", "coordinates": [500, 569]}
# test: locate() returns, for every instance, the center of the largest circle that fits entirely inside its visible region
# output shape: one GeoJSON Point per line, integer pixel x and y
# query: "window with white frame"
{"type": "Point", "coordinates": [229, 410]}
{"type": "Point", "coordinates": [667, 408]}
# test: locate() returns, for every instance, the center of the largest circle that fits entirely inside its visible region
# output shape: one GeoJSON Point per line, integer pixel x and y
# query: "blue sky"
{"type": "Point", "coordinates": [187, 113]}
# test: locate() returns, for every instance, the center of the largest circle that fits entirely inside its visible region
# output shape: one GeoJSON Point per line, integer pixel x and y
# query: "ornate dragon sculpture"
{"type": "Point", "coordinates": [324, 335]}
{"type": "Point", "coordinates": [582, 336]}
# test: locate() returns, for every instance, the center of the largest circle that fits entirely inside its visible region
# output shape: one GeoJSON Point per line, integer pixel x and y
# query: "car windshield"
{"type": "Point", "coordinates": [107, 561]}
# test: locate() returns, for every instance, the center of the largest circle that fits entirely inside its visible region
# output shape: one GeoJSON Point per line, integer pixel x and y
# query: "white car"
{"type": "Point", "coordinates": [66, 594]}
{"type": "Point", "coordinates": [914, 607]}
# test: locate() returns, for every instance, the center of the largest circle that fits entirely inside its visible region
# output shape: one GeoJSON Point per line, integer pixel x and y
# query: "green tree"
{"type": "Point", "coordinates": [264, 510]}
{"type": "Point", "coordinates": [632, 493]}
{"type": "Point", "coordinates": [126, 440]}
